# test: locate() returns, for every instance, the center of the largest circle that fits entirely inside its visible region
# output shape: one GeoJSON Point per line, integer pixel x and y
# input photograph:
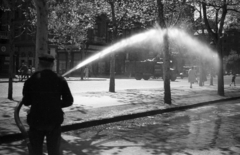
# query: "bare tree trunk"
{"type": "Point", "coordinates": [211, 67]}
{"type": "Point", "coordinates": [83, 57]}
{"type": "Point", "coordinates": [11, 75]}
{"type": "Point", "coordinates": [220, 69]}
{"type": "Point", "coordinates": [11, 53]}
{"type": "Point", "coordinates": [112, 59]}
{"type": "Point", "coordinates": [112, 73]}
{"type": "Point", "coordinates": [81, 69]}
{"type": "Point", "coordinates": [166, 71]}
{"type": "Point", "coordinates": [42, 28]}
{"type": "Point", "coordinates": [161, 19]}
{"type": "Point", "coordinates": [217, 35]}
{"type": "Point", "coordinates": [201, 80]}
{"type": "Point", "coordinates": [166, 57]}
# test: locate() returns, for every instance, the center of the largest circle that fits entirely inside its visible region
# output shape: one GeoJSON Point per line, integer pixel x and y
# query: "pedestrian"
{"type": "Point", "coordinates": [191, 76]}
{"type": "Point", "coordinates": [233, 79]}
{"type": "Point", "coordinates": [31, 70]}
{"type": "Point", "coordinates": [23, 72]}
{"type": "Point", "coordinates": [47, 93]}
{"type": "Point", "coordinates": [86, 72]}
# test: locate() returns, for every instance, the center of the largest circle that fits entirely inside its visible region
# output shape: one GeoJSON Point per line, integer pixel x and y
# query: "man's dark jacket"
{"type": "Point", "coordinates": [47, 93]}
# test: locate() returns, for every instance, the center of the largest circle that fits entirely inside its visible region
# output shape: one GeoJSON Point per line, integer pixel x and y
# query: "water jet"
{"type": "Point", "coordinates": [152, 40]}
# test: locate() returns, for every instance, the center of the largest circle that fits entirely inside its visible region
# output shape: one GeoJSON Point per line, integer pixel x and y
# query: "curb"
{"type": "Point", "coordinates": [86, 124]}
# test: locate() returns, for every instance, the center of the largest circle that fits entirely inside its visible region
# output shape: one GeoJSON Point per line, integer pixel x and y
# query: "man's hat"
{"type": "Point", "coordinates": [46, 57]}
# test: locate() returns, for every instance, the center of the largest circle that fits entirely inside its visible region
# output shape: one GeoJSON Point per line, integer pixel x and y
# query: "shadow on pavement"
{"type": "Point", "coordinates": [14, 148]}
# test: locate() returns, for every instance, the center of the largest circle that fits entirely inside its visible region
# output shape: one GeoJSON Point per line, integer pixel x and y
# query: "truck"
{"type": "Point", "coordinates": [148, 69]}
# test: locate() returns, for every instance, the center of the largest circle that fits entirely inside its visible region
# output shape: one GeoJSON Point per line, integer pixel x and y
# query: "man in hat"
{"type": "Point", "coordinates": [47, 93]}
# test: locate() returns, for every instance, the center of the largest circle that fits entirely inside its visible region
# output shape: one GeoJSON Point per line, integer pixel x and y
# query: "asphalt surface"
{"type": "Point", "coordinates": [101, 107]}
{"type": "Point", "coordinates": [205, 130]}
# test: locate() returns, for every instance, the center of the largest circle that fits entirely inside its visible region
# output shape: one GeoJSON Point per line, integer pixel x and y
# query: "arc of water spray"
{"type": "Point", "coordinates": [151, 37]}
{"type": "Point", "coordinates": [138, 38]}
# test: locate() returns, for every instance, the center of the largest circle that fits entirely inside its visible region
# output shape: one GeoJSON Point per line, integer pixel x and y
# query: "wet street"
{"type": "Point", "coordinates": [209, 130]}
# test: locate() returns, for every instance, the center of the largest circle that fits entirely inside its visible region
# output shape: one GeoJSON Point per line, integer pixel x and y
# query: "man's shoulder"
{"type": "Point", "coordinates": [61, 77]}
{"type": "Point", "coordinates": [37, 76]}
{"type": "Point", "coordinates": [58, 76]}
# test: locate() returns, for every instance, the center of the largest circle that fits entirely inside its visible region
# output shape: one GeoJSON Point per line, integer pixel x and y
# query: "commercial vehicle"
{"type": "Point", "coordinates": [149, 69]}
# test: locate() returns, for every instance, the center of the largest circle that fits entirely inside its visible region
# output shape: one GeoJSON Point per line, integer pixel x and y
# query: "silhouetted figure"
{"type": "Point", "coordinates": [233, 79]}
{"type": "Point", "coordinates": [23, 72]}
{"type": "Point", "coordinates": [86, 72]}
{"type": "Point", "coordinates": [31, 70]}
{"type": "Point", "coordinates": [47, 93]}
{"type": "Point", "coordinates": [191, 76]}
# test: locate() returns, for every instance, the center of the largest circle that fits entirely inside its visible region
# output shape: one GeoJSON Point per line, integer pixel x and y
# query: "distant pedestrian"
{"type": "Point", "coordinates": [31, 70]}
{"type": "Point", "coordinates": [47, 93]}
{"type": "Point", "coordinates": [23, 70]}
{"type": "Point", "coordinates": [191, 76]}
{"type": "Point", "coordinates": [233, 80]}
{"type": "Point", "coordinates": [86, 72]}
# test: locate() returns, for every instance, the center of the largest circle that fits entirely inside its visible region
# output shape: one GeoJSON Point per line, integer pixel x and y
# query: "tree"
{"type": "Point", "coordinates": [42, 28]}
{"type": "Point", "coordinates": [166, 13]}
{"type": "Point", "coordinates": [166, 54]}
{"type": "Point", "coordinates": [233, 63]}
{"type": "Point", "coordinates": [123, 14]}
{"type": "Point", "coordinates": [199, 28]}
{"type": "Point", "coordinates": [11, 7]}
{"type": "Point", "coordinates": [68, 22]}
{"type": "Point", "coordinates": [218, 10]}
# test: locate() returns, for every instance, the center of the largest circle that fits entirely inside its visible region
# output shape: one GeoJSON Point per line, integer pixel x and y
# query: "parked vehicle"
{"type": "Point", "coordinates": [148, 69]}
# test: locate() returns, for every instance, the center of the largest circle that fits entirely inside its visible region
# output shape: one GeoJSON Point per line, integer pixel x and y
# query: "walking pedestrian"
{"type": "Point", "coordinates": [233, 79]}
{"type": "Point", "coordinates": [191, 76]}
{"type": "Point", "coordinates": [31, 70]}
{"type": "Point", "coordinates": [23, 72]}
{"type": "Point", "coordinates": [47, 93]}
{"type": "Point", "coordinates": [86, 72]}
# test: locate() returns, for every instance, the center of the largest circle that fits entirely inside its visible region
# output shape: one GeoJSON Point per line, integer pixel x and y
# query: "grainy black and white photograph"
{"type": "Point", "coordinates": [119, 77]}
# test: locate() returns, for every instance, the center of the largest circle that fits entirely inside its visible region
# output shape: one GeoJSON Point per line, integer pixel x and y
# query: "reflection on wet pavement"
{"type": "Point", "coordinates": [214, 129]}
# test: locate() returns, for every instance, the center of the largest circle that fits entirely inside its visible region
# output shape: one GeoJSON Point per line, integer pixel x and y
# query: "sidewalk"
{"type": "Point", "coordinates": [125, 104]}
{"type": "Point", "coordinates": [103, 78]}
{"type": "Point", "coordinates": [97, 78]}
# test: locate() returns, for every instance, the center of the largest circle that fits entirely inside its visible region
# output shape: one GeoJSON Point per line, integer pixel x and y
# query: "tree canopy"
{"type": "Point", "coordinates": [68, 21]}
{"type": "Point", "coordinates": [233, 63]}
